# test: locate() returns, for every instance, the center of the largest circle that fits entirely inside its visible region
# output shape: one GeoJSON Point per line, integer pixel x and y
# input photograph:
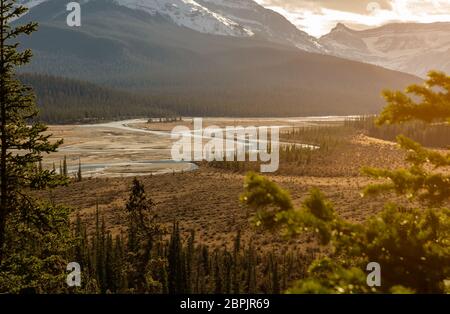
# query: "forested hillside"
{"type": "Point", "coordinates": [63, 100]}
{"type": "Point", "coordinates": [200, 74]}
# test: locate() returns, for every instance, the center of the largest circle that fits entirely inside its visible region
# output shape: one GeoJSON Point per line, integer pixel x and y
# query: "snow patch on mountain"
{"type": "Point", "coordinates": [30, 3]}
{"type": "Point", "coordinates": [409, 47]}
{"type": "Point", "coordinates": [185, 13]}
{"type": "Point", "coordinates": [237, 18]}
{"type": "Point", "coordinates": [190, 14]}
{"type": "Point", "coordinates": [264, 23]}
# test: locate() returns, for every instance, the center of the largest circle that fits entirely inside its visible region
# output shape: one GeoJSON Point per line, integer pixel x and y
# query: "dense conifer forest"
{"type": "Point", "coordinates": [62, 100]}
{"type": "Point", "coordinates": [149, 258]}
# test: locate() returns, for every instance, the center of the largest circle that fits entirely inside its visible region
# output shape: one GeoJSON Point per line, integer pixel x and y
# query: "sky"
{"type": "Point", "coordinates": [318, 17]}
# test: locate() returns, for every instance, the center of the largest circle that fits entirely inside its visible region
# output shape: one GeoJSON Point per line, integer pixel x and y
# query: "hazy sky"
{"type": "Point", "coordinates": [318, 17]}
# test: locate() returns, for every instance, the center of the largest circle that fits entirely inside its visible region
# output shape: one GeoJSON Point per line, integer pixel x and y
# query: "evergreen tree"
{"type": "Point", "coordinates": [218, 285]}
{"type": "Point", "coordinates": [190, 261]}
{"type": "Point", "coordinates": [175, 260]}
{"type": "Point", "coordinates": [27, 228]}
{"type": "Point", "coordinates": [65, 171]}
{"type": "Point", "coordinates": [79, 174]}
{"type": "Point", "coordinates": [118, 265]}
{"type": "Point", "coordinates": [274, 274]}
{"type": "Point", "coordinates": [251, 270]}
{"type": "Point", "coordinates": [236, 266]}
{"type": "Point", "coordinates": [164, 280]}
{"type": "Point", "coordinates": [143, 229]}
{"type": "Point", "coordinates": [227, 265]}
{"type": "Point", "coordinates": [411, 244]}
{"type": "Point", "coordinates": [110, 280]}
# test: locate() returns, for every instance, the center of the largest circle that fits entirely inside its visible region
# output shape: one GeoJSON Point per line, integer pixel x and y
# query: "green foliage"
{"type": "Point", "coordinates": [412, 245]}
{"type": "Point", "coordinates": [263, 194]}
{"type": "Point", "coordinates": [37, 241]}
{"type": "Point", "coordinates": [326, 277]}
{"type": "Point", "coordinates": [33, 236]}
{"type": "Point", "coordinates": [417, 181]}
{"type": "Point", "coordinates": [129, 263]}
{"type": "Point", "coordinates": [275, 210]}
{"type": "Point", "coordinates": [424, 179]}
{"type": "Point", "coordinates": [434, 104]}
{"type": "Point", "coordinates": [418, 236]}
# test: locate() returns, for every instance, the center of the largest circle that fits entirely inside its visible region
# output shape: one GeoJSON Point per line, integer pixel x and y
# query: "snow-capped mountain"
{"type": "Point", "coordinates": [263, 22]}
{"type": "Point", "coordinates": [236, 18]}
{"type": "Point", "coordinates": [143, 47]}
{"type": "Point", "coordinates": [410, 47]}
{"type": "Point", "coordinates": [190, 14]}
{"type": "Point", "coordinates": [187, 13]}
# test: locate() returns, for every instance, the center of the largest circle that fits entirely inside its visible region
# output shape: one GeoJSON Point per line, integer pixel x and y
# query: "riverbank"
{"type": "Point", "coordinates": [136, 147]}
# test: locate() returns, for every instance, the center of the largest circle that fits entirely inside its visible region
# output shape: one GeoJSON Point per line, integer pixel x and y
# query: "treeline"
{"type": "Point", "coordinates": [148, 259]}
{"type": "Point", "coordinates": [299, 148]}
{"type": "Point", "coordinates": [432, 135]}
{"type": "Point", "coordinates": [249, 101]}
{"type": "Point", "coordinates": [63, 100]}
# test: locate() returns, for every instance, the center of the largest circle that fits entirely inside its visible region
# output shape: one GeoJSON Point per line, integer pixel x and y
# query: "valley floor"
{"type": "Point", "coordinates": [207, 200]}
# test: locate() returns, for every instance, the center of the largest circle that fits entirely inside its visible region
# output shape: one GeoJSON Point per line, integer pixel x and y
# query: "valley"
{"type": "Point", "coordinates": [216, 146]}
{"type": "Point", "coordinates": [200, 196]}
{"type": "Point", "coordinates": [136, 147]}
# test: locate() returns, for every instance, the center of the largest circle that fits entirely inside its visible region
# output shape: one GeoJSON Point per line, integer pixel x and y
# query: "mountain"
{"type": "Point", "coordinates": [197, 72]}
{"type": "Point", "coordinates": [408, 47]}
{"type": "Point", "coordinates": [239, 18]}
{"type": "Point", "coordinates": [264, 23]}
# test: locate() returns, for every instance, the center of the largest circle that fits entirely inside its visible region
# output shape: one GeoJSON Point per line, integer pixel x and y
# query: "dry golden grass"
{"type": "Point", "coordinates": [207, 200]}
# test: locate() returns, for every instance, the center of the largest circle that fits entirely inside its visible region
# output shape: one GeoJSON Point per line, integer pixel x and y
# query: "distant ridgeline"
{"type": "Point", "coordinates": [63, 100]}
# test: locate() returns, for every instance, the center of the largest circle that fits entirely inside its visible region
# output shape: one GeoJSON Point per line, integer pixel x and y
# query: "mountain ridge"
{"type": "Point", "coordinates": [200, 74]}
{"type": "Point", "coordinates": [238, 18]}
{"type": "Point", "coordinates": [414, 48]}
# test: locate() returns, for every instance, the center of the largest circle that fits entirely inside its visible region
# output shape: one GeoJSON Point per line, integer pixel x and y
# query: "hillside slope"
{"type": "Point", "coordinates": [198, 73]}
{"type": "Point", "coordinates": [62, 100]}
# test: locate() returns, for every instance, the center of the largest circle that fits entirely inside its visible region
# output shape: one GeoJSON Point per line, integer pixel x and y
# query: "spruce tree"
{"type": "Point", "coordinates": [190, 261]}
{"type": "Point", "coordinates": [143, 230]}
{"type": "Point", "coordinates": [227, 264]}
{"type": "Point", "coordinates": [175, 260]}
{"type": "Point", "coordinates": [218, 283]}
{"type": "Point", "coordinates": [118, 266]}
{"type": "Point", "coordinates": [79, 174]}
{"type": "Point", "coordinates": [65, 171]}
{"type": "Point", "coordinates": [23, 144]}
{"type": "Point", "coordinates": [274, 274]}
{"type": "Point", "coordinates": [236, 265]}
